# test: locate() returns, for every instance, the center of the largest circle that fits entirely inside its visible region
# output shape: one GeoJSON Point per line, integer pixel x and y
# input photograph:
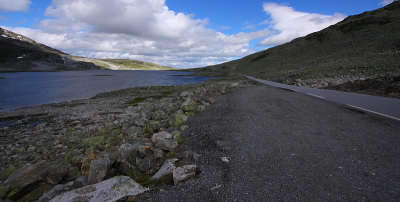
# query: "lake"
{"type": "Point", "coordinates": [34, 88]}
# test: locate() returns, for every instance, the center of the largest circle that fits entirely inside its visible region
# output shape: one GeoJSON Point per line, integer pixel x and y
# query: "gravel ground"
{"type": "Point", "coordinates": [286, 146]}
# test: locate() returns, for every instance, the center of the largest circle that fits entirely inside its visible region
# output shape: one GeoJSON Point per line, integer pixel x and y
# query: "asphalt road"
{"type": "Point", "coordinates": [389, 107]}
{"type": "Point", "coordinates": [287, 146]}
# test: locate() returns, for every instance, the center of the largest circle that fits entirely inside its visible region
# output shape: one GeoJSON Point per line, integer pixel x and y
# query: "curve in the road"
{"type": "Point", "coordinates": [388, 107]}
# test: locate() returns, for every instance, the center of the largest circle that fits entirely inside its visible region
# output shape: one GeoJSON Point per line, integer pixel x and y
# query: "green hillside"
{"type": "Point", "coordinates": [364, 45]}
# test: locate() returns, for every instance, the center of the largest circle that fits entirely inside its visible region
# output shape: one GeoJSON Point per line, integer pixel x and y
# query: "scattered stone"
{"type": "Point", "coordinates": [167, 168]}
{"type": "Point", "coordinates": [158, 153]}
{"type": "Point", "coordinates": [110, 190]}
{"type": "Point", "coordinates": [100, 167]}
{"type": "Point", "coordinates": [145, 164]}
{"type": "Point", "coordinates": [183, 173]}
{"type": "Point", "coordinates": [160, 136]}
{"type": "Point", "coordinates": [167, 144]}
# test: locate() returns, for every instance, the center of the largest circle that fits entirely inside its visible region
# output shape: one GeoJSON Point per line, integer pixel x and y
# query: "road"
{"type": "Point", "coordinates": [388, 107]}
{"type": "Point", "coordinates": [286, 146]}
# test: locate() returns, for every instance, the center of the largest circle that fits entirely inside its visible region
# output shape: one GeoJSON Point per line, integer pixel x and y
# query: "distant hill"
{"type": "Point", "coordinates": [19, 53]}
{"type": "Point", "coordinates": [363, 46]}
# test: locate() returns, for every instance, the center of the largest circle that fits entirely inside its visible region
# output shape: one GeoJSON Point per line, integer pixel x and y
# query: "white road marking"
{"type": "Point", "coordinates": [315, 95]}
{"type": "Point", "coordinates": [375, 112]}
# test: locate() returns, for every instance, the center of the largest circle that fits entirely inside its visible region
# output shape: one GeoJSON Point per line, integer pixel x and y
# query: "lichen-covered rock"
{"type": "Point", "coordinates": [183, 173]}
{"type": "Point", "coordinates": [177, 119]}
{"type": "Point", "coordinates": [33, 177]}
{"type": "Point", "coordinates": [113, 189]}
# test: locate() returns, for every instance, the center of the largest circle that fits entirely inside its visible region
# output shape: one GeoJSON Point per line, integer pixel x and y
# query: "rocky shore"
{"type": "Point", "coordinates": [126, 141]}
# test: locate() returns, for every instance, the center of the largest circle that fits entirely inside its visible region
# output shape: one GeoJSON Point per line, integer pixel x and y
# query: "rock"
{"type": "Point", "coordinates": [160, 136]}
{"type": "Point", "coordinates": [211, 100]}
{"type": "Point", "coordinates": [32, 178]}
{"type": "Point", "coordinates": [167, 144]}
{"type": "Point", "coordinates": [186, 93]}
{"type": "Point", "coordinates": [128, 151]}
{"type": "Point", "coordinates": [110, 190]}
{"type": "Point", "coordinates": [100, 167]}
{"type": "Point", "coordinates": [82, 181]}
{"type": "Point", "coordinates": [145, 164]}
{"type": "Point", "coordinates": [55, 173]}
{"type": "Point", "coordinates": [183, 173]}
{"type": "Point", "coordinates": [167, 168]}
{"type": "Point", "coordinates": [145, 151]}
{"type": "Point", "coordinates": [177, 119]}
{"type": "Point", "coordinates": [85, 168]}
{"type": "Point", "coordinates": [57, 190]}
{"type": "Point", "coordinates": [126, 167]}
{"type": "Point", "coordinates": [234, 85]}
{"type": "Point", "coordinates": [158, 153]}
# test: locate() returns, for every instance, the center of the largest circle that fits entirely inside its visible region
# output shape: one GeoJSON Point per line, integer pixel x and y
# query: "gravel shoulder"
{"type": "Point", "coordinates": [286, 146]}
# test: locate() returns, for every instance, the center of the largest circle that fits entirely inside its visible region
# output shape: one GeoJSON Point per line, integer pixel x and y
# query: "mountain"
{"type": "Point", "coordinates": [364, 46]}
{"type": "Point", "coordinates": [19, 53]}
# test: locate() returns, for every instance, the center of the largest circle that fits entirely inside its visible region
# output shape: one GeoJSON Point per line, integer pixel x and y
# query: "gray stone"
{"type": "Point", "coordinates": [158, 153]}
{"type": "Point", "coordinates": [186, 93]}
{"type": "Point", "coordinates": [113, 189]}
{"type": "Point", "coordinates": [99, 168]}
{"type": "Point", "coordinates": [167, 144]}
{"type": "Point", "coordinates": [183, 173]}
{"type": "Point", "coordinates": [128, 151]}
{"type": "Point", "coordinates": [145, 164]}
{"type": "Point", "coordinates": [57, 190]}
{"type": "Point", "coordinates": [160, 136]}
{"type": "Point", "coordinates": [82, 181]}
{"type": "Point", "coordinates": [167, 168]}
{"type": "Point", "coordinates": [126, 167]}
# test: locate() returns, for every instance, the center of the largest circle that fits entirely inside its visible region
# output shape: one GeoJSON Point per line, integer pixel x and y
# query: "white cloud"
{"type": "Point", "coordinates": [292, 24]}
{"type": "Point", "coordinates": [136, 29]}
{"type": "Point", "coordinates": [14, 5]}
{"type": "Point", "coordinates": [249, 27]}
{"type": "Point", "coordinates": [385, 2]}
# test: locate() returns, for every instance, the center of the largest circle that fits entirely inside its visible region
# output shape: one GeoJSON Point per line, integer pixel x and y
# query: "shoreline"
{"type": "Point", "coordinates": [69, 132]}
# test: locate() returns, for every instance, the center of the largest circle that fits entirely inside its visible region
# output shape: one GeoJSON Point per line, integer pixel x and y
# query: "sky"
{"type": "Point", "coordinates": [176, 33]}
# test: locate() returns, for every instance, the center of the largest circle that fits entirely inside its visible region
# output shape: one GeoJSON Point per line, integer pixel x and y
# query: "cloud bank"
{"type": "Point", "coordinates": [148, 30]}
{"type": "Point", "coordinates": [292, 24]}
{"type": "Point", "coordinates": [14, 5]}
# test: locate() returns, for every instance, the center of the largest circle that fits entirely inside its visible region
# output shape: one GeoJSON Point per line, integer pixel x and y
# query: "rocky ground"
{"type": "Point", "coordinates": [135, 132]}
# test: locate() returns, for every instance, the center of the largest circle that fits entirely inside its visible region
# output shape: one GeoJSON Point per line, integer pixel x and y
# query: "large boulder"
{"type": "Point", "coordinates": [36, 178]}
{"type": "Point", "coordinates": [113, 189]}
{"type": "Point", "coordinates": [57, 190]}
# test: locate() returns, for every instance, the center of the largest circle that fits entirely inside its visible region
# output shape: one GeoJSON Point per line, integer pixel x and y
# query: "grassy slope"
{"type": "Point", "coordinates": [368, 43]}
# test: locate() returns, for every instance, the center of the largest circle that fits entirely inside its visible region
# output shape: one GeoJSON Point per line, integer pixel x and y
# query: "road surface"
{"type": "Point", "coordinates": [388, 107]}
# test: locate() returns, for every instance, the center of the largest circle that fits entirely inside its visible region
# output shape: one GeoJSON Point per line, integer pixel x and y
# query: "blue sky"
{"type": "Point", "coordinates": [177, 33]}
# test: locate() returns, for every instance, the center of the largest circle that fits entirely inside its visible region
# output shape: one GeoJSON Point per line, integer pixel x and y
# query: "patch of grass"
{"type": "Point", "coordinates": [170, 154]}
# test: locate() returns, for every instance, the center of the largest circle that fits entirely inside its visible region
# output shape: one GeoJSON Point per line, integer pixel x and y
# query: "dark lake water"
{"type": "Point", "coordinates": [35, 88]}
